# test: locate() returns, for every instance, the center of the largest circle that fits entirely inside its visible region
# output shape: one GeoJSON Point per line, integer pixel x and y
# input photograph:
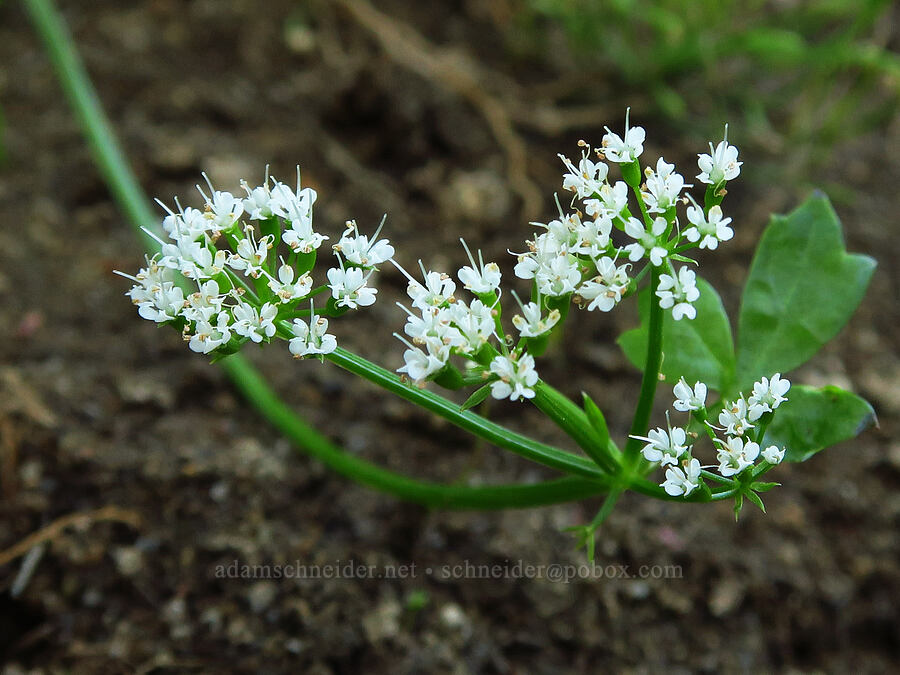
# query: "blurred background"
{"type": "Point", "coordinates": [447, 116]}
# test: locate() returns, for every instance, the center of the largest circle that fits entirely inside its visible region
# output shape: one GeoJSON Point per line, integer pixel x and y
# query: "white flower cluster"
{"type": "Point", "coordinates": [440, 325]}
{"type": "Point", "coordinates": [572, 259]}
{"type": "Point", "coordinates": [575, 254]}
{"type": "Point", "coordinates": [251, 260]}
{"type": "Point", "coordinates": [738, 451]}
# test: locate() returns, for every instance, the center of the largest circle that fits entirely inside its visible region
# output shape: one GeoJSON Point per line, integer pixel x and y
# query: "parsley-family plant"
{"type": "Point", "coordinates": [253, 266]}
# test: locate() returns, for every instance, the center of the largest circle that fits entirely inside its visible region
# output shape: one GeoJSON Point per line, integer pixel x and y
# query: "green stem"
{"type": "Point", "coordinates": [606, 508]}
{"type": "Point", "coordinates": [131, 199]}
{"type": "Point", "coordinates": [489, 431]}
{"type": "Point", "coordinates": [248, 381]}
{"type": "Point", "coordinates": [717, 478]}
{"type": "Point", "coordinates": [574, 421]}
{"type": "Point", "coordinates": [652, 364]}
{"type": "Point", "coordinates": [98, 131]}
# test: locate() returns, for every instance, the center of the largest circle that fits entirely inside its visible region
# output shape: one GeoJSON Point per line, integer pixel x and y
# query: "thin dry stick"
{"type": "Point", "coordinates": [81, 520]}
{"type": "Point", "coordinates": [9, 457]}
{"type": "Point", "coordinates": [455, 72]}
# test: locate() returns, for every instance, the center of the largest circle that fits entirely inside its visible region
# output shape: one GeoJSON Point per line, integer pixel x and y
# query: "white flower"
{"type": "Point", "coordinates": [530, 323]}
{"type": "Point", "coordinates": [563, 231]}
{"type": "Point", "coordinates": [203, 304]}
{"type": "Point", "coordinates": [359, 250]}
{"type": "Point", "coordinates": [634, 228]}
{"type": "Point", "coordinates": [689, 399]}
{"type": "Point", "coordinates": [473, 323]}
{"type": "Point", "coordinates": [663, 446]}
{"type": "Point", "coordinates": [767, 395]}
{"type": "Point", "coordinates": [419, 365]}
{"type": "Point", "coordinates": [348, 287]}
{"type": "Point", "coordinates": [257, 203]}
{"type": "Point", "coordinates": [543, 251]}
{"type": "Point", "coordinates": [734, 417]}
{"type": "Point", "coordinates": [592, 237]}
{"type": "Point", "coordinates": [624, 151]}
{"type": "Point", "coordinates": [612, 200]}
{"type": "Point", "coordinates": [682, 481]}
{"type": "Point", "coordinates": [253, 324]}
{"type": "Point", "coordinates": [202, 262]}
{"type": "Point", "coordinates": [208, 337]}
{"type": "Point", "coordinates": [479, 278]}
{"type": "Point", "coordinates": [560, 277]}
{"type": "Point", "coordinates": [663, 187]}
{"type": "Point", "coordinates": [734, 455]}
{"type": "Point", "coordinates": [434, 325]}
{"type": "Point", "coordinates": [194, 259]}
{"type": "Point", "coordinates": [166, 303]}
{"type": "Point", "coordinates": [773, 454]}
{"type": "Point", "coordinates": [709, 230]}
{"type": "Point", "coordinates": [250, 255]}
{"type": "Point", "coordinates": [155, 295]}
{"type": "Point", "coordinates": [286, 288]}
{"type": "Point", "coordinates": [301, 237]}
{"type": "Point", "coordinates": [188, 223]}
{"type": "Point", "coordinates": [437, 290]}
{"type": "Point", "coordinates": [311, 338]}
{"type": "Point", "coordinates": [606, 289]}
{"type": "Point", "coordinates": [292, 205]}
{"type": "Point", "coordinates": [222, 208]}
{"type": "Point", "coordinates": [585, 179]}
{"type": "Point", "coordinates": [517, 377]}
{"type": "Point", "coordinates": [721, 164]}
{"type": "Point", "coordinates": [678, 293]}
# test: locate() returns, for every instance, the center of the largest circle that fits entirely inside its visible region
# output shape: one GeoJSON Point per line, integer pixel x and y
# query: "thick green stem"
{"type": "Point", "coordinates": [652, 364]}
{"type": "Point", "coordinates": [131, 199]}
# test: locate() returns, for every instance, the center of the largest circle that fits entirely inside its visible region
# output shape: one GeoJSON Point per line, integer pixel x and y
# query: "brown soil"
{"type": "Point", "coordinates": [99, 408]}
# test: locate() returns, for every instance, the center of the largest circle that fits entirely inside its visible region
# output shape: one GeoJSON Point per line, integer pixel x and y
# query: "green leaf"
{"type": "Point", "coordinates": [803, 287]}
{"type": "Point", "coordinates": [698, 349]}
{"type": "Point", "coordinates": [813, 419]}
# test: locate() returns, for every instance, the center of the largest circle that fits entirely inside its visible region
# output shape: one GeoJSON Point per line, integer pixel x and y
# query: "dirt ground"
{"type": "Point", "coordinates": [99, 409]}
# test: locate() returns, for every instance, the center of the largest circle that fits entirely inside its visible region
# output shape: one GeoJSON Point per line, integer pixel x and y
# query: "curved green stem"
{"type": "Point", "coordinates": [131, 199]}
{"type": "Point", "coordinates": [652, 364]}
{"type": "Point", "coordinates": [248, 381]}
{"type": "Point", "coordinates": [97, 129]}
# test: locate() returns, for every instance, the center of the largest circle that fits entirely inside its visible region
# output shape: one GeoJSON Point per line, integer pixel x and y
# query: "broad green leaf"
{"type": "Point", "coordinates": [698, 349]}
{"type": "Point", "coordinates": [803, 287]}
{"type": "Point", "coordinates": [813, 419]}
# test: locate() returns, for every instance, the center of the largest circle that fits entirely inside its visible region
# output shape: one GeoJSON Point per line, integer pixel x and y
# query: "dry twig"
{"type": "Point", "coordinates": [81, 520]}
